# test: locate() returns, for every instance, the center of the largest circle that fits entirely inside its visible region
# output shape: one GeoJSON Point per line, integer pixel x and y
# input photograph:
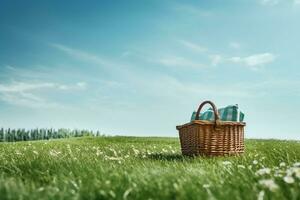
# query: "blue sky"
{"type": "Point", "coordinates": [141, 67]}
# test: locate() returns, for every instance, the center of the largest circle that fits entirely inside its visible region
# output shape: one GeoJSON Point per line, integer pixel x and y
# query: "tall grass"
{"type": "Point", "coordinates": [145, 168]}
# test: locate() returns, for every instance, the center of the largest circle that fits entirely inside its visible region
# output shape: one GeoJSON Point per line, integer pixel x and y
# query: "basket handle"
{"type": "Point", "coordinates": [217, 118]}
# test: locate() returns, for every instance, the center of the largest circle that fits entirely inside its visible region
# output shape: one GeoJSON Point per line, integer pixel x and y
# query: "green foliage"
{"type": "Point", "coordinates": [14, 135]}
{"type": "Point", "coordinates": [145, 168]}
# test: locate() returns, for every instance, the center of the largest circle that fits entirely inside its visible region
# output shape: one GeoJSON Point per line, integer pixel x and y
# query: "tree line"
{"type": "Point", "coordinates": [14, 135]}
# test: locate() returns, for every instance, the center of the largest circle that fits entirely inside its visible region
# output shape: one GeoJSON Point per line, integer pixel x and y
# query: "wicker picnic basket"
{"type": "Point", "coordinates": [211, 138]}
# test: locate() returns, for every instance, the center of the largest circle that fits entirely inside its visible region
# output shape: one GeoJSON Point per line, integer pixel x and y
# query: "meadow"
{"type": "Point", "coordinates": [145, 168]}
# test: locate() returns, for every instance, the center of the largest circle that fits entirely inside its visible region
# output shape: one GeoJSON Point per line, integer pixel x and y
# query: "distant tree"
{"type": "Point", "coordinates": [1, 135]}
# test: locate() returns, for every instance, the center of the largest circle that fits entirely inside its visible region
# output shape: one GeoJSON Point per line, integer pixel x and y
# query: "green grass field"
{"type": "Point", "coordinates": [145, 168]}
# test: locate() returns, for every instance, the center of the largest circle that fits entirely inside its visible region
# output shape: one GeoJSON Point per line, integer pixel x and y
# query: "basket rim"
{"type": "Point", "coordinates": [207, 122]}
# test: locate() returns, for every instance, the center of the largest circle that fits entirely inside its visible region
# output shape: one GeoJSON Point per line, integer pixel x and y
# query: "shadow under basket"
{"type": "Point", "coordinates": [211, 138]}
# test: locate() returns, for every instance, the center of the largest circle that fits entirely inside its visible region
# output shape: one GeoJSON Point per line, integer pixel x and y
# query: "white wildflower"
{"type": "Point", "coordinates": [261, 195]}
{"type": "Point", "coordinates": [277, 174]}
{"type": "Point", "coordinates": [113, 158]}
{"type": "Point", "coordinates": [114, 151]}
{"type": "Point", "coordinates": [269, 183]}
{"type": "Point", "coordinates": [54, 153]}
{"type": "Point", "coordinates": [296, 171]}
{"type": "Point", "coordinates": [288, 179]}
{"type": "Point", "coordinates": [98, 153]}
{"type": "Point", "coordinates": [289, 172]}
{"type": "Point", "coordinates": [255, 162]}
{"type": "Point", "coordinates": [282, 164]}
{"type": "Point", "coordinates": [263, 171]}
{"type": "Point", "coordinates": [297, 164]}
{"type": "Point", "coordinates": [226, 163]}
{"type": "Point", "coordinates": [136, 152]}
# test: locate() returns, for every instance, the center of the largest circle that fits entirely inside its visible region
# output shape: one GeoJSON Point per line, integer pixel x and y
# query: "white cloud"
{"type": "Point", "coordinates": [27, 100]}
{"type": "Point", "coordinates": [23, 87]}
{"type": "Point", "coordinates": [193, 46]}
{"type": "Point", "coordinates": [269, 2]}
{"type": "Point", "coordinates": [193, 10]}
{"type": "Point", "coordinates": [9, 67]}
{"type": "Point", "coordinates": [215, 59]}
{"type": "Point", "coordinates": [126, 54]}
{"type": "Point", "coordinates": [180, 62]}
{"type": "Point", "coordinates": [175, 89]}
{"type": "Point", "coordinates": [296, 2]}
{"type": "Point", "coordinates": [235, 45]}
{"type": "Point", "coordinates": [81, 85]}
{"type": "Point", "coordinates": [277, 2]}
{"type": "Point", "coordinates": [26, 94]}
{"type": "Point", "coordinates": [82, 55]}
{"type": "Point", "coordinates": [254, 61]}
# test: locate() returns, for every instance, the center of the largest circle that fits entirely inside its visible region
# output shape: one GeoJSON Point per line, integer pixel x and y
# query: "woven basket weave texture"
{"type": "Point", "coordinates": [211, 138]}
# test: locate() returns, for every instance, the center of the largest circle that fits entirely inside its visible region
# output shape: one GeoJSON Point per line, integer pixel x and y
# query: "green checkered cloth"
{"type": "Point", "coordinates": [229, 113]}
